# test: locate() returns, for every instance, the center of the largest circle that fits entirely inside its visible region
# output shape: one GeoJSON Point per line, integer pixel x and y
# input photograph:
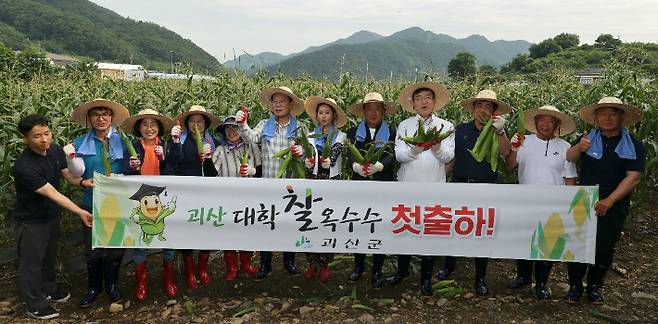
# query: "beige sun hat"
{"type": "Point", "coordinates": [311, 106]}
{"type": "Point", "coordinates": [441, 95]}
{"type": "Point", "coordinates": [357, 109]}
{"type": "Point", "coordinates": [120, 112]}
{"type": "Point", "coordinates": [128, 125]}
{"type": "Point", "coordinates": [199, 110]}
{"type": "Point", "coordinates": [632, 115]}
{"type": "Point", "coordinates": [296, 106]}
{"type": "Point", "coordinates": [486, 95]}
{"type": "Point", "coordinates": [567, 124]}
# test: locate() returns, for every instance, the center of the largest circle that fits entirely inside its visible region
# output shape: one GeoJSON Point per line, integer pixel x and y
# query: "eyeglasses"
{"type": "Point", "coordinates": [104, 115]}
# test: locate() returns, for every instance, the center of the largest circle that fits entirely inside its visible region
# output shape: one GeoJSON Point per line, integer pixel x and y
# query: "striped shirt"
{"type": "Point", "coordinates": [227, 162]}
{"type": "Point", "coordinates": [274, 145]}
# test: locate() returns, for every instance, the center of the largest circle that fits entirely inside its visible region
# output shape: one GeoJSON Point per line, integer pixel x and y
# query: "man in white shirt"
{"type": "Point", "coordinates": [422, 163]}
{"type": "Point", "coordinates": [542, 160]}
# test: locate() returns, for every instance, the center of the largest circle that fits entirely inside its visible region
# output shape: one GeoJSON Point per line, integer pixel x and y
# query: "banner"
{"type": "Point", "coordinates": [335, 216]}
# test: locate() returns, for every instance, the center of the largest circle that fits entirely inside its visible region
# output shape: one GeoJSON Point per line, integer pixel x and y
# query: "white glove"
{"type": "Point", "coordinates": [436, 148]}
{"type": "Point", "coordinates": [358, 168]}
{"type": "Point", "coordinates": [207, 150]}
{"type": "Point", "coordinates": [309, 162]}
{"type": "Point", "coordinates": [175, 133]}
{"type": "Point", "coordinates": [241, 117]}
{"type": "Point", "coordinates": [297, 150]}
{"type": "Point", "coordinates": [159, 152]}
{"type": "Point", "coordinates": [517, 141]}
{"type": "Point", "coordinates": [135, 163]}
{"type": "Point", "coordinates": [415, 150]}
{"type": "Point", "coordinates": [69, 150]}
{"type": "Point", "coordinates": [247, 170]}
{"type": "Point", "coordinates": [75, 165]}
{"type": "Point", "coordinates": [325, 162]}
{"type": "Point", "coordinates": [499, 123]}
{"type": "Point", "coordinates": [374, 168]}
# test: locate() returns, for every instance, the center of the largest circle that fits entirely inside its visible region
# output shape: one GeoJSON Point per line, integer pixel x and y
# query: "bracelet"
{"type": "Point", "coordinates": [82, 179]}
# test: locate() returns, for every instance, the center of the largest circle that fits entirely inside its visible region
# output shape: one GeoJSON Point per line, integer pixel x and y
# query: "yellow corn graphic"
{"type": "Point", "coordinates": [110, 214]}
{"type": "Point", "coordinates": [568, 255]}
{"type": "Point", "coordinates": [128, 241]}
{"type": "Point", "coordinates": [580, 216]}
{"type": "Point", "coordinates": [553, 229]}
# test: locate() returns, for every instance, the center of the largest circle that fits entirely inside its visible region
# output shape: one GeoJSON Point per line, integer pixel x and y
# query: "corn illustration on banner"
{"type": "Point", "coordinates": [474, 220]}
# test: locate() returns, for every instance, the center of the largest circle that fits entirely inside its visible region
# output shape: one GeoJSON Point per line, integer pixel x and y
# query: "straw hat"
{"type": "Point", "coordinates": [357, 109]}
{"type": "Point", "coordinates": [311, 106]}
{"type": "Point", "coordinates": [486, 95]}
{"type": "Point", "coordinates": [632, 115]}
{"type": "Point", "coordinates": [129, 124]}
{"type": "Point", "coordinates": [296, 105]}
{"type": "Point", "coordinates": [567, 124]}
{"type": "Point", "coordinates": [199, 110]}
{"type": "Point", "coordinates": [441, 95]}
{"type": "Point", "coordinates": [120, 112]}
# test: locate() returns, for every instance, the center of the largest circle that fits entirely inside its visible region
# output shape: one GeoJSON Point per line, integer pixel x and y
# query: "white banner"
{"type": "Point", "coordinates": [475, 220]}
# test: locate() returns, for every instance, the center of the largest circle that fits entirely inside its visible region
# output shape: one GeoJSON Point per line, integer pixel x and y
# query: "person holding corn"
{"type": "Point", "coordinates": [276, 133]}
{"type": "Point", "coordinates": [326, 162]}
{"type": "Point", "coordinates": [189, 154]}
{"type": "Point", "coordinates": [148, 126]}
{"type": "Point", "coordinates": [613, 159]}
{"type": "Point", "coordinates": [542, 160]}
{"type": "Point", "coordinates": [99, 150]}
{"type": "Point", "coordinates": [235, 158]}
{"type": "Point", "coordinates": [372, 130]}
{"type": "Point", "coordinates": [466, 169]}
{"type": "Point", "coordinates": [422, 163]}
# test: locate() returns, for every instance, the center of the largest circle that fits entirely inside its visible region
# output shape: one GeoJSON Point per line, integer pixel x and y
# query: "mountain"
{"type": "Point", "coordinates": [247, 61]}
{"type": "Point", "coordinates": [82, 28]}
{"type": "Point", "coordinates": [400, 54]}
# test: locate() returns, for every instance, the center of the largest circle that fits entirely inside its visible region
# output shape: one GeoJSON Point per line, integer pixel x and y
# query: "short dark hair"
{"type": "Point", "coordinates": [417, 91]}
{"type": "Point", "coordinates": [493, 104]}
{"type": "Point", "coordinates": [206, 120]}
{"type": "Point", "coordinates": [26, 123]}
{"type": "Point", "coordinates": [137, 132]}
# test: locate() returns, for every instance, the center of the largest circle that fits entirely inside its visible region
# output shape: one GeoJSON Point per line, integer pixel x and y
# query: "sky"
{"type": "Point", "coordinates": [286, 26]}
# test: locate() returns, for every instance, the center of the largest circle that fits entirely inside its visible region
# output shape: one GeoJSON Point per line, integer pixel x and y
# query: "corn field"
{"type": "Point", "coordinates": [57, 96]}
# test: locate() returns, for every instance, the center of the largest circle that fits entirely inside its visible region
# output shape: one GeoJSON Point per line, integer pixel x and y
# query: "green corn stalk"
{"type": "Point", "coordinates": [199, 143]}
{"type": "Point", "coordinates": [106, 159]}
{"type": "Point", "coordinates": [326, 148]}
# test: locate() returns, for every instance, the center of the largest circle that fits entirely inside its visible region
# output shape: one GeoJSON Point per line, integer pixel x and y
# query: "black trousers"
{"type": "Point", "coordinates": [480, 265]}
{"type": "Point", "coordinates": [608, 232]}
{"type": "Point", "coordinates": [37, 250]}
{"type": "Point", "coordinates": [542, 269]}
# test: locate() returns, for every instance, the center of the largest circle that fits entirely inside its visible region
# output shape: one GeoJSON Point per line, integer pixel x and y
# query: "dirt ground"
{"type": "Point", "coordinates": [631, 291]}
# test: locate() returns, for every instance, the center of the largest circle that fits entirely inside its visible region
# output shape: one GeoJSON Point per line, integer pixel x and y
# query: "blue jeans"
{"type": "Point", "coordinates": [139, 255]}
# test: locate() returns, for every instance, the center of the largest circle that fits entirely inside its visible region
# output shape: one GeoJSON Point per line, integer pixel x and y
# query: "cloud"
{"type": "Point", "coordinates": [287, 26]}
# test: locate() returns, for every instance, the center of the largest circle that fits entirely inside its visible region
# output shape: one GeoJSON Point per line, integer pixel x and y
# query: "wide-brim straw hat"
{"type": "Point", "coordinates": [357, 109]}
{"type": "Point", "coordinates": [632, 115]}
{"type": "Point", "coordinates": [199, 110]}
{"type": "Point", "coordinates": [128, 125]}
{"type": "Point", "coordinates": [311, 106]}
{"type": "Point", "coordinates": [441, 95]}
{"type": "Point", "coordinates": [567, 124]}
{"type": "Point", "coordinates": [487, 95]}
{"type": "Point", "coordinates": [296, 105]}
{"type": "Point", "coordinates": [119, 111]}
